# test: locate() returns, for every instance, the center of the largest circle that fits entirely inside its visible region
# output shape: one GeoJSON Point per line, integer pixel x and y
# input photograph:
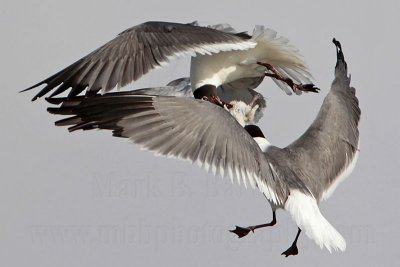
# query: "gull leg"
{"type": "Point", "coordinates": [276, 75]}
{"type": "Point", "coordinates": [293, 248]}
{"type": "Point", "coordinates": [243, 231]}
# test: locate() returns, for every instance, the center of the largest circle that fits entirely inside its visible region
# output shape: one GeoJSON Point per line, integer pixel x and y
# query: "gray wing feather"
{"type": "Point", "coordinates": [326, 149]}
{"type": "Point", "coordinates": [136, 51]}
{"type": "Point", "coordinates": [184, 128]}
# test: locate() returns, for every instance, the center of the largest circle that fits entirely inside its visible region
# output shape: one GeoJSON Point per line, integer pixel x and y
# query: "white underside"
{"type": "Point", "coordinates": [305, 212]}
{"type": "Point", "coordinates": [225, 67]}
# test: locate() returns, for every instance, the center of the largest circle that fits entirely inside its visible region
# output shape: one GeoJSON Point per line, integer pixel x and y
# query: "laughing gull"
{"type": "Point", "coordinates": [295, 178]}
{"type": "Point", "coordinates": [220, 56]}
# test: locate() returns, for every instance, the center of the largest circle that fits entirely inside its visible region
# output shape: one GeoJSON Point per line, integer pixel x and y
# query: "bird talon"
{"type": "Point", "coordinates": [292, 251]}
{"type": "Point", "coordinates": [241, 231]}
{"type": "Point", "coordinates": [309, 87]}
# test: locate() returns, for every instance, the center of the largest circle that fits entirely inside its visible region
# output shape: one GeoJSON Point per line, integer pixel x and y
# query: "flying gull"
{"type": "Point", "coordinates": [295, 178]}
{"type": "Point", "coordinates": [220, 56]}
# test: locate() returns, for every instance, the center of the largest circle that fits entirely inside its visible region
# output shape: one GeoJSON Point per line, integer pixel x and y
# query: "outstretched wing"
{"type": "Point", "coordinates": [329, 147]}
{"type": "Point", "coordinates": [184, 128]}
{"type": "Point", "coordinates": [135, 52]}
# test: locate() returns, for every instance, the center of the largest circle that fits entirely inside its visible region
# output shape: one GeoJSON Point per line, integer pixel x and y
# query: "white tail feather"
{"type": "Point", "coordinates": [305, 212]}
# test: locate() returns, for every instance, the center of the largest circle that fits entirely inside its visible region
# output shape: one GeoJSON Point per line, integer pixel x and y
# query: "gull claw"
{"type": "Point", "coordinates": [241, 231]}
{"type": "Point", "coordinates": [292, 251]}
{"type": "Point", "coordinates": [309, 87]}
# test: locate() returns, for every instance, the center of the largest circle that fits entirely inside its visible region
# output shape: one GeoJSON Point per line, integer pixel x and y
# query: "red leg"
{"type": "Point", "coordinates": [276, 75]}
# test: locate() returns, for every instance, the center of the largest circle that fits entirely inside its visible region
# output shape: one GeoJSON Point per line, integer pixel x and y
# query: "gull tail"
{"type": "Point", "coordinates": [304, 210]}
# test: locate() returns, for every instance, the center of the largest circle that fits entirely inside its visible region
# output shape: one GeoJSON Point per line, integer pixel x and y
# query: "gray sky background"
{"type": "Point", "coordinates": [87, 199]}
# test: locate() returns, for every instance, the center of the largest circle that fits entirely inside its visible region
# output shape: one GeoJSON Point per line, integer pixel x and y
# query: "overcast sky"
{"type": "Point", "coordinates": [87, 199]}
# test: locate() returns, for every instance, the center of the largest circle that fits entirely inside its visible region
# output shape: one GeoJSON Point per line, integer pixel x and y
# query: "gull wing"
{"type": "Point", "coordinates": [179, 127]}
{"type": "Point", "coordinates": [328, 150]}
{"type": "Point", "coordinates": [135, 52]}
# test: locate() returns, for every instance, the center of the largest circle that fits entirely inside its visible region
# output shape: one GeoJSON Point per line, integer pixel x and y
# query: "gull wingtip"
{"type": "Point", "coordinates": [341, 64]}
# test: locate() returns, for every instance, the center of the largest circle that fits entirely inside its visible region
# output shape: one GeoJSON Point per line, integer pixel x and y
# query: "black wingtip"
{"type": "Point", "coordinates": [34, 86]}
{"type": "Point", "coordinates": [337, 43]}
{"type": "Point", "coordinates": [33, 99]}
{"type": "Point", "coordinates": [56, 100]}
{"type": "Point", "coordinates": [24, 90]}
{"type": "Point", "coordinates": [27, 89]}
{"type": "Point", "coordinates": [340, 56]}
{"type": "Point", "coordinates": [339, 51]}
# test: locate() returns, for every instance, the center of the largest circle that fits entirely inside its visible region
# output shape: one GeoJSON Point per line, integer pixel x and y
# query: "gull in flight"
{"type": "Point", "coordinates": [221, 58]}
{"type": "Point", "coordinates": [295, 178]}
